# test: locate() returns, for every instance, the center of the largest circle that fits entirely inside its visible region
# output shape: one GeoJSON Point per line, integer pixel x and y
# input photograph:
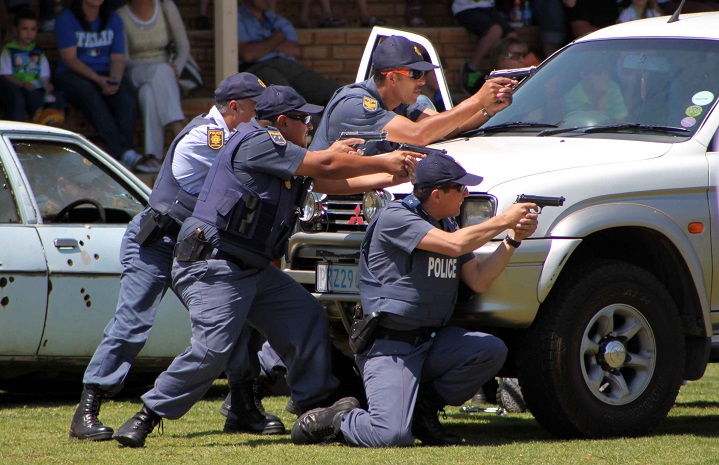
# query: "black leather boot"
{"type": "Point", "coordinates": [425, 421]}
{"type": "Point", "coordinates": [134, 431]}
{"type": "Point", "coordinates": [322, 424]}
{"type": "Point", "coordinates": [85, 424]}
{"type": "Point", "coordinates": [259, 391]}
{"type": "Point", "coordinates": [244, 416]}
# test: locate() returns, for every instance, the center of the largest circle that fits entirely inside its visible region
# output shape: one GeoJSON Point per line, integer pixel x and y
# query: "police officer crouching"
{"type": "Point", "coordinates": [244, 215]}
{"type": "Point", "coordinates": [412, 259]}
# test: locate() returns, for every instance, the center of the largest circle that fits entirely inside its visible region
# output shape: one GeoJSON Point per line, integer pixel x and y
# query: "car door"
{"type": "Point", "coordinates": [83, 204]}
{"type": "Point", "coordinates": [426, 48]}
{"type": "Point", "coordinates": [23, 273]}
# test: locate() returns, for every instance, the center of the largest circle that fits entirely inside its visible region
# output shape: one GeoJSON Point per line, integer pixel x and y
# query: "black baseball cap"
{"type": "Point", "coordinates": [280, 100]}
{"type": "Point", "coordinates": [239, 86]}
{"type": "Point", "coordinates": [399, 52]}
{"type": "Point", "coordinates": [437, 168]}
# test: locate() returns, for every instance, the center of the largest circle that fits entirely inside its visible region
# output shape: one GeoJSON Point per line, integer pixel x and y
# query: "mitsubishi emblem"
{"type": "Point", "coordinates": [357, 219]}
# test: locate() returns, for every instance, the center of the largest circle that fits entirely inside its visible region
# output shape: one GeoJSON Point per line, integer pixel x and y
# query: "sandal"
{"type": "Point", "coordinates": [331, 21]}
{"type": "Point", "coordinates": [413, 16]}
{"type": "Point", "coordinates": [373, 21]}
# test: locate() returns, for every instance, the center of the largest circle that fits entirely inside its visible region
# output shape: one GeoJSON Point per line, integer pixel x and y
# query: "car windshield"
{"type": "Point", "coordinates": [659, 87]}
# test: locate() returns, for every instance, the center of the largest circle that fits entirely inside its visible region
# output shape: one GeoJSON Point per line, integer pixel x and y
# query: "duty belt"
{"type": "Point", "coordinates": [413, 336]}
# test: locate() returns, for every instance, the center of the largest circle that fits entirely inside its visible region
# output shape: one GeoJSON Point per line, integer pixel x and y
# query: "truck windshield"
{"type": "Point", "coordinates": [636, 83]}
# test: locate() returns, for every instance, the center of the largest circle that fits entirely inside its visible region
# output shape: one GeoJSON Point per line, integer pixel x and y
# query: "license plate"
{"type": "Point", "coordinates": [336, 277]}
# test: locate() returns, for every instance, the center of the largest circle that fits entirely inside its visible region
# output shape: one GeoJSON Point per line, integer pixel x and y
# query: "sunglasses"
{"type": "Point", "coordinates": [413, 73]}
{"type": "Point", "coordinates": [516, 55]}
{"type": "Point", "coordinates": [304, 118]}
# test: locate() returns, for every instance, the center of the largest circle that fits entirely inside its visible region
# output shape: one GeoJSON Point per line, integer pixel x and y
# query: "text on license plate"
{"type": "Point", "coordinates": [336, 277]}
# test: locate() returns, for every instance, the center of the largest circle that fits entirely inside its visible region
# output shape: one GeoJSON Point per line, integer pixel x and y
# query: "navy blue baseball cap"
{"type": "Point", "coordinates": [436, 169]}
{"type": "Point", "coordinates": [280, 100]}
{"type": "Point", "coordinates": [239, 86]}
{"type": "Point", "coordinates": [399, 52]}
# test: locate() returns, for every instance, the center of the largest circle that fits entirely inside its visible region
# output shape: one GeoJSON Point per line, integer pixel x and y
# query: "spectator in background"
{"type": "Point", "coordinates": [91, 41]}
{"type": "Point", "coordinates": [479, 17]}
{"type": "Point", "coordinates": [203, 21]}
{"type": "Point", "coordinates": [508, 53]}
{"type": "Point", "coordinates": [268, 48]}
{"type": "Point", "coordinates": [639, 9]}
{"type": "Point", "coordinates": [587, 16]}
{"type": "Point", "coordinates": [149, 26]}
{"type": "Point", "coordinates": [25, 84]}
{"type": "Point", "coordinates": [330, 20]}
{"type": "Point", "coordinates": [413, 14]}
{"type": "Point", "coordinates": [551, 17]}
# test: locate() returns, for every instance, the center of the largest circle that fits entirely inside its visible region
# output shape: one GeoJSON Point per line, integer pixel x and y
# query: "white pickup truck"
{"type": "Point", "coordinates": [612, 303]}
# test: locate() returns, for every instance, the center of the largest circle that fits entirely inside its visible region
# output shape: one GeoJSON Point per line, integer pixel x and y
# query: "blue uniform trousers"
{"type": "Point", "coordinates": [457, 362]}
{"type": "Point", "coordinates": [221, 297]}
{"type": "Point", "coordinates": [145, 279]}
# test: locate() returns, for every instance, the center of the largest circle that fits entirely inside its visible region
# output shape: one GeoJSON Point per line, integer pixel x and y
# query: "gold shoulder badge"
{"type": "Point", "coordinates": [369, 103]}
{"type": "Point", "coordinates": [276, 137]}
{"type": "Point", "coordinates": [215, 138]}
{"type": "Point", "coordinates": [288, 184]}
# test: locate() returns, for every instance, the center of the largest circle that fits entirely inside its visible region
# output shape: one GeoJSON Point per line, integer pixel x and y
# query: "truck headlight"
{"type": "Point", "coordinates": [313, 208]}
{"type": "Point", "coordinates": [476, 211]}
{"type": "Point", "coordinates": [373, 201]}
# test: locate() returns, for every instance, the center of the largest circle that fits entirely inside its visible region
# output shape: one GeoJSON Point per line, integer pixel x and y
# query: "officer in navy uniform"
{"type": "Point", "coordinates": [412, 259]}
{"type": "Point", "coordinates": [146, 252]}
{"type": "Point", "coordinates": [243, 218]}
{"type": "Point", "coordinates": [388, 102]}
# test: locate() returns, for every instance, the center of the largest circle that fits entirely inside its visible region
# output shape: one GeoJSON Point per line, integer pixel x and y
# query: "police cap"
{"type": "Point", "coordinates": [239, 86]}
{"type": "Point", "coordinates": [437, 168]}
{"type": "Point", "coordinates": [280, 100]}
{"type": "Point", "coordinates": [399, 52]}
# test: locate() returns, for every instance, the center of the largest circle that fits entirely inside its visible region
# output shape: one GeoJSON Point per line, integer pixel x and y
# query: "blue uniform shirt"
{"type": "Point", "coordinates": [197, 150]}
{"type": "Point", "coordinates": [252, 29]}
{"type": "Point", "coordinates": [359, 107]}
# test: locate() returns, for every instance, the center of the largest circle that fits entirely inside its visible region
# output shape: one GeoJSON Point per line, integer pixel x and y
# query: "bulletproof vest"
{"type": "Point", "coordinates": [253, 226]}
{"type": "Point", "coordinates": [427, 292]}
{"type": "Point", "coordinates": [167, 196]}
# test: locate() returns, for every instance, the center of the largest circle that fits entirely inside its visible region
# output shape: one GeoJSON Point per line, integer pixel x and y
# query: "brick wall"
{"type": "Point", "coordinates": [333, 52]}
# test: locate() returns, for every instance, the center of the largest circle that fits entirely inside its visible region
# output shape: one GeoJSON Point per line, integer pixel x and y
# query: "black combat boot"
{"type": "Point", "coordinates": [244, 416]}
{"type": "Point", "coordinates": [322, 424]}
{"type": "Point", "coordinates": [425, 421]}
{"type": "Point", "coordinates": [260, 387]}
{"type": "Point", "coordinates": [134, 431]}
{"type": "Point", "coordinates": [85, 424]}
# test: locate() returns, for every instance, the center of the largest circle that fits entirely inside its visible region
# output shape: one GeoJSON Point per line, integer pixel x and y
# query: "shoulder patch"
{"type": "Point", "coordinates": [276, 137]}
{"type": "Point", "coordinates": [215, 138]}
{"type": "Point", "coordinates": [369, 103]}
{"type": "Point", "coordinates": [411, 202]}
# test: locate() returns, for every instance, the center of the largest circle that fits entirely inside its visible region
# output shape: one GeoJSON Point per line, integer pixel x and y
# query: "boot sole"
{"type": "Point", "coordinates": [128, 442]}
{"type": "Point", "coordinates": [264, 432]}
{"type": "Point", "coordinates": [94, 437]}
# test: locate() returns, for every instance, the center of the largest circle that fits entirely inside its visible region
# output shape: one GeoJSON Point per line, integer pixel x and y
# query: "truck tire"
{"type": "Point", "coordinates": [605, 355]}
{"type": "Point", "coordinates": [509, 396]}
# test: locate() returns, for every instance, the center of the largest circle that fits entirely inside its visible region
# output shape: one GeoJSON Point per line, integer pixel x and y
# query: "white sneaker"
{"type": "Point", "coordinates": [137, 163]}
{"type": "Point", "coordinates": [148, 165]}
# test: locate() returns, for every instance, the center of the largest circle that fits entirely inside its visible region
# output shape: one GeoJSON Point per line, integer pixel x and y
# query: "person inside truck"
{"type": "Point", "coordinates": [387, 102]}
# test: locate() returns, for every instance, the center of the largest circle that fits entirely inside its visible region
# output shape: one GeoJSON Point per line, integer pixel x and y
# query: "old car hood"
{"type": "Point", "coordinates": [502, 159]}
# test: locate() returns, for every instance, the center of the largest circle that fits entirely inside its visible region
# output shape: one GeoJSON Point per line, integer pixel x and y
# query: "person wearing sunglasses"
{"type": "Point", "coordinates": [223, 271]}
{"type": "Point", "coordinates": [387, 102]}
{"type": "Point", "coordinates": [412, 259]}
{"type": "Point", "coordinates": [508, 53]}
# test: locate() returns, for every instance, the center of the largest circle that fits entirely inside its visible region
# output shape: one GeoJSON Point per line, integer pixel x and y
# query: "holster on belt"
{"type": "Point", "coordinates": [154, 225]}
{"type": "Point", "coordinates": [362, 333]}
{"type": "Point", "coordinates": [193, 247]}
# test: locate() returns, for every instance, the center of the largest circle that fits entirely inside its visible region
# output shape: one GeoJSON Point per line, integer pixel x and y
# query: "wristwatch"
{"type": "Point", "coordinates": [511, 242]}
{"type": "Point", "coordinates": [486, 113]}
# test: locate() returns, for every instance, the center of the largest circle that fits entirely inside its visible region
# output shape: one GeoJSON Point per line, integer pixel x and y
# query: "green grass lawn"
{"type": "Point", "coordinates": [33, 430]}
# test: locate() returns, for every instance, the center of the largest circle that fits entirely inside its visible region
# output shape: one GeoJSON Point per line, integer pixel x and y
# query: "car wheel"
{"type": "Point", "coordinates": [509, 396]}
{"type": "Point", "coordinates": [605, 355]}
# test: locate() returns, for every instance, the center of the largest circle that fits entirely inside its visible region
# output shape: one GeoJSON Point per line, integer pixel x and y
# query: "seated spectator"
{"type": "Point", "coordinates": [203, 21]}
{"type": "Point", "coordinates": [329, 20]}
{"type": "Point", "coordinates": [268, 48]}
{"type": "Point", "coordinates": [413, 14]}
{"type": "Point", "coordinates": [91, 41]}
{"type": "Point", "coordinates": [639, 9]}
{"type": "Point", "coordinates": [479, 17]}
{"type": "Point", "coordinates": [149, 26]}
{"type": "Point", "coordinates": [587, 16]}
{"type": "Point", "coordinates": [508, 53]}
{"type": "Point", "coordinates": [551, 17]}
{"type": "Point", "coordinates": [25, 84]}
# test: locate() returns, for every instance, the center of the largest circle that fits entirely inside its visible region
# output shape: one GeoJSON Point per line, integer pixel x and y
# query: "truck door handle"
{"type": "Point", "coordinates": [65, 243]}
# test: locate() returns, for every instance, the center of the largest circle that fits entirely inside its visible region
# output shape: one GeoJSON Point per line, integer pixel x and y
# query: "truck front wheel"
{"type": "Point", "coordinates": [605, 355]}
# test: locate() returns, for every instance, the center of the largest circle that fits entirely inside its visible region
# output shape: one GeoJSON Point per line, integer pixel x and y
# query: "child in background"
{"type": "Point", "coordinates": [639, 9]}
{"type": "Point", "coordinates": [25, 75]}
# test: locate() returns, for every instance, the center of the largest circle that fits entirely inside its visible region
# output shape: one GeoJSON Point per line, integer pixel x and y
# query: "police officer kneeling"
{"type": "Point", "coordinates": [413, 257]}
